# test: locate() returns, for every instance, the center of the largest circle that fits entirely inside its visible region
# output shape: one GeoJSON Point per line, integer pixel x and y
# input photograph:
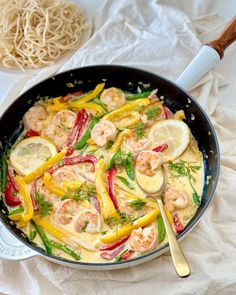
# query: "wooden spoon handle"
{"type": "Point", "coordinates": [227, 37]}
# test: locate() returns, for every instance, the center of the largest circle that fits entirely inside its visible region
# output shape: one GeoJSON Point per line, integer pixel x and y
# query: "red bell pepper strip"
{"type": "Point", "coordinates": [127, 254]}
{"type": "Point", "coordinates": [31, 133]}
{"type": "Point", "coordinates": [177, 224]}
{"type": "Point", "coordinates": [160, 148]}
{"type": "Point", "coordinates": [79, 159]}
{"type": "Point", "coordinates": [71, 95]}
{"type": "Point", "coordinates": [11, 177]}
{"type": "Point", "coordinates": [110, 179]}
{"type": "Point", "coordinates": [85, 122]}
{"type": "Point", "coordinates": [32, 193]}
{"type": "Point", "coordinates": [112, 255]}
{"type": "Point", "coordinates": [115, 245]}
{"type": "Point", "coordinates": [11, 196]}
{"type": "Point", "coordinates": [77, 128]}
{"type": "Point", "coordinates": [169, 114]}
{"type": "Point", "coordinates": [75, 160]}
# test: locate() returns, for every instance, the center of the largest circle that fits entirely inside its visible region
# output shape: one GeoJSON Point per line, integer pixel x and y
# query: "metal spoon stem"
{"type": "Point", "coordinates": [180, 263]}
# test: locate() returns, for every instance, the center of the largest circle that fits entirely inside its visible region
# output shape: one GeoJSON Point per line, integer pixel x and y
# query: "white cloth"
{"type": "Point", "coordinates": [160, 38]}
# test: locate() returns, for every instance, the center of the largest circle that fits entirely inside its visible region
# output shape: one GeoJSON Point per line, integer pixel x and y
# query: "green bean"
{"type": "Point", "coordinates": [117, 155]}
{"type": "Point", "coordinates": [118, 258]}
{"type": "Point", "coordinates": [32, 235]}
{"type": "Point", "coordinates": [65, 249]}
{"type": "Point", "coordinates": [161, 229]}
{"type": "Point", "coordinates": [16, 211]}
{"type": "Point", "coordinates": [3, 173]}
{"type": "Point", "coordinates": [83, 141]}
{"type": "Point", "coordinates": [129, 166]}
{"type": "Point", "coordinates": [98, 101]}
{"type": "Point", "coordinates": [139, 95]}
{"type": "Point", "coordinates": [125, 181]}
{"type": "Point", "coordinates": [44, 238]}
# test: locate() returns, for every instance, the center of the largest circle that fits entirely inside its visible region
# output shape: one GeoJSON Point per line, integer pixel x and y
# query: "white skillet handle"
{"type": "Point", "coordinates": [208, 57]}
{"type": "Point", "coordinates": [13, 249]}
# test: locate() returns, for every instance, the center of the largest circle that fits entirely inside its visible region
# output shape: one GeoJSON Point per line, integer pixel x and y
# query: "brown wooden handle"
{"type": "Point", "coordinates": [227, 37]}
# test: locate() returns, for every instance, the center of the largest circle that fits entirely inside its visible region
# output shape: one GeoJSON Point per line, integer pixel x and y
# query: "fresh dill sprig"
{"type": "Point", "coordinates": [45, 207]}
{"type": "Point", "coordinates": [137, 204]}
{"type": "Point", "coordinates": [152, 113]}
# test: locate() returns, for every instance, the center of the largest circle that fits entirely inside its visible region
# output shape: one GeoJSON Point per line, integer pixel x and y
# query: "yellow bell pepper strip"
{"type": "Point", "coordinates": [128, 122]}
{"type": "Point", "coordinates": [179, 115]}
{"type": "Point", "coordinates": [53, 186]}
{"type": "Point", "coordinates": [169, 216]}
{"type": "Point", "coordinates": [126, 230]}
{"type": "Point", "coordinates": [117, 143]}
{"type": "Point", "coordinates": [28, 212]}
{"type": "Point", "coordinates": [56, 105]}
{"type": "Point", "coordinates": [56, 232]}
{"type": "Point", "coordinates": [94, 108]}
{"type": "Point", "coordinates": [72, 185]}
{"type": "Point", "coordinates": [45, 167]}
{"type": "Point", "coordinates": [125, 110]}
{"type": "Point", "coordinates": [92, 94]}
{"type": "Point", "coordinates": [107, 207]}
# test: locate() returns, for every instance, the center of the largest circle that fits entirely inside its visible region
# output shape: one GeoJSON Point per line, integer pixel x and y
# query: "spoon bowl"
{"type": "Point", "coordinates": [180, 263]}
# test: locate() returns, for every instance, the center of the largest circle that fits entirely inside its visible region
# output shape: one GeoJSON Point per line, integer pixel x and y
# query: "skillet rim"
{"type": "Point", "coordinates": [189, 226]}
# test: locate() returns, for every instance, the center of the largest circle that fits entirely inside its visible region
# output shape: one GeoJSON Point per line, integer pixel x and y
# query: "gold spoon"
{"type": "Point", "coordinates": [180, 263]}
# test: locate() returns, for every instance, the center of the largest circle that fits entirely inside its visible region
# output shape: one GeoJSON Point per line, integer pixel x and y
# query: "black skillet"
{"type": "Point", "coordinates": [127, 79]}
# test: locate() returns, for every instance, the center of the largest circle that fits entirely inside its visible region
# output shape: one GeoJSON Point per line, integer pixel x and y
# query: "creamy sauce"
{"type": "Point", "coordinates": [133, 203]}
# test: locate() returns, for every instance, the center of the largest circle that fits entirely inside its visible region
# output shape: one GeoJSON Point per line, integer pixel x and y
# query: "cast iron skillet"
{"type": "Point", "coordinates": [127, 79]}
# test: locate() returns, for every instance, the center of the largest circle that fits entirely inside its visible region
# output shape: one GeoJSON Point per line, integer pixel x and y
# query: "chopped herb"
{"type": "Point", "coordinates": [45, 207]}
{"type": "Point", "coordinates": [140, 130]}
{"type": "Point", "coordinates": [109, 145]}
{"type": "Point", "coordinates": [137, 204]}
{"type": "Point", "coordinates": [139, 108]}
{"type": "Point", "coordinates": [104, 232]}
{"type": "Point", "coordinates": [186, 169]}
{"type": "Point", "coordinates": [125, 218]}
{"type": "Point", "coordinates": [84, 192]}
{"type": "Point", "coordinates": [152, 113]}
{"type": "Point", "coordinates": [118, 159]}
{"type": "Point", "coordinates": [111, 220]}
{"type": "Point", "coordinates": [85, 225]}
{"type": "Point", "coordinates": [183, 169]}
{"type": "Point", "coordinates": [125, 181]}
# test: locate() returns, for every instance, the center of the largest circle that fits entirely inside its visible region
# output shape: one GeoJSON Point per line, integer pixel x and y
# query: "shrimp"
{"type": "Point", "coordinates": [89, 222]}
{"type": "Point", "coordinates": [176, 199]}
{"type": "Point", "coordinates": [59, 127]}
{"type": "Point", "coordinates": [148, 161]}
{"type": "Point", "coordinates": [66, 174]}
{"type": "Point", "coordinates": [136, 146]}
{"type": "Point", "coordinates": [64, 211]}
{"type": "Point", "coordinates": [143, 239]}
{"type": "Point", "coordinates": [103, 132]}
{"type": "Point", "coordinates": [35, 118]}
{"type": "Point", "coordinates": [113, 98]}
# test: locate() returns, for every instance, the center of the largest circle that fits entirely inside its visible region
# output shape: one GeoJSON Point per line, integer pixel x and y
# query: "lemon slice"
{"type": "Point", "coordinates": [31, 153]}
{"type": "Point", "coordinates": [173, 132]}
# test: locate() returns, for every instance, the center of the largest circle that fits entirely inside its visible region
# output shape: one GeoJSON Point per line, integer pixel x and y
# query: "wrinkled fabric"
{"type": "Point", "coordinates": [158, 37]}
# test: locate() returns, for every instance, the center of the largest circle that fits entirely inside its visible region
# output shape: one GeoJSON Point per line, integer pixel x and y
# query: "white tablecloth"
{"type": "Point", "coordinates": [157, 36]}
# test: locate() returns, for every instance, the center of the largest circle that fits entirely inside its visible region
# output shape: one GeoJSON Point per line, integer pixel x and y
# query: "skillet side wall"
{"type": "Point", "coordinates": [127, 79]}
